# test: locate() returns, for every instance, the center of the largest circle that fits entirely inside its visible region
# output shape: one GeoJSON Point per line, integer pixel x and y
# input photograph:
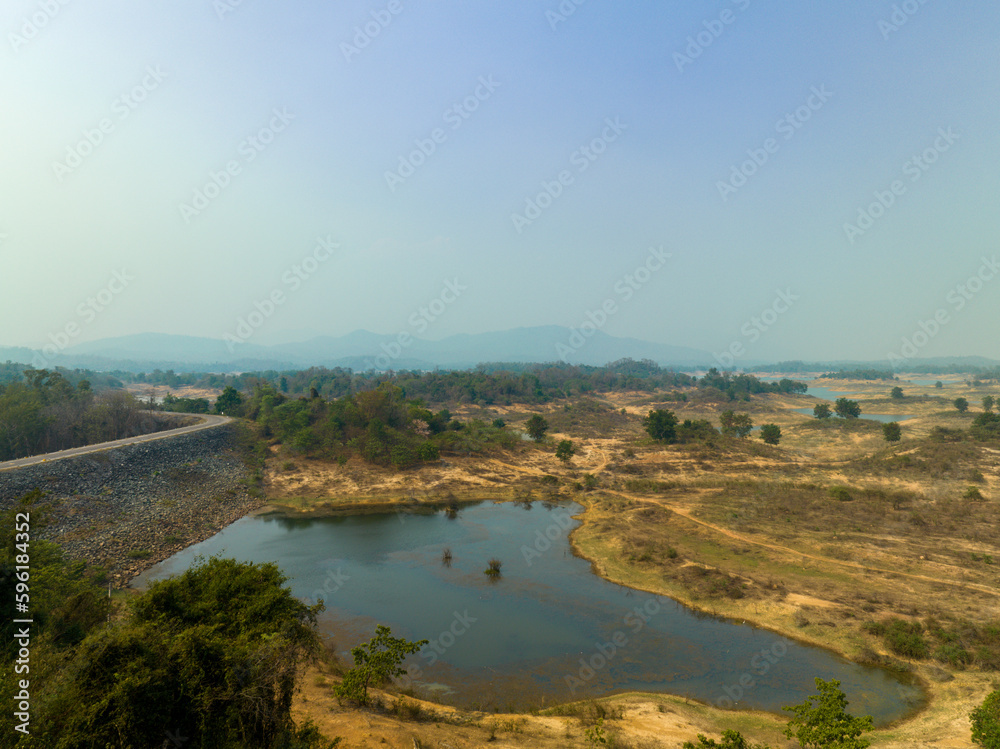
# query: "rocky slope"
{"type": "Point", "coordinates": [128, 508]}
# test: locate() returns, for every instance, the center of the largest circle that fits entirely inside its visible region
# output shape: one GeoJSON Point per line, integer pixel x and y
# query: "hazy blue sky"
{"type": "Point", "coordinates": [638, 117]}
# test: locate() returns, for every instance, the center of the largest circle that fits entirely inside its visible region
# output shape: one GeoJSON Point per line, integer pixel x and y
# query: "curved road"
{"type": "Point", "coordinates": [207, 422]}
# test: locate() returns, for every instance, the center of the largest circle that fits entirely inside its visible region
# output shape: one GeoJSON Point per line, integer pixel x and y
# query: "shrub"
{"type": "Point", "coordinates": [493, 570]}
{"type": "Point", "coordinates": [901, 637]}
{"type": "Point", "coordinates": [770, 433]}
{"type": "Point", "coordinates": [840, 493]}
{"type": "Point", "coordinates": [661, 425]}
{"type": "Point", "coordinates": [375, 662]}
{"type": "Point", "coordinates": [953, 654]}
{"type": "Point", "coordinates": [822, 720]}
{"type": "Point", "coordinates": [891, 431]}
{"type": "Point", "coordinates": [698, 430]}
{"type": "Point", "coordinates": [986, 722]}
{"type": "Point", "coordinates": [986, 426]}
{"type": "Point", "coordinates": [565, 450]}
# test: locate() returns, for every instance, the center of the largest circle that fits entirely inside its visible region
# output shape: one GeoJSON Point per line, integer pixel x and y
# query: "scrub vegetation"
{"type": "Point", "coordinates": [879, 541]}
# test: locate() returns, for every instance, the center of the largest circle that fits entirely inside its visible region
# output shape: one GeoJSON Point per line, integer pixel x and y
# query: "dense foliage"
{"type": "Point", "coordinates": [487, 384]}
{"type": "Point", "coordinates": [986, 722]}
{"type": "Point", "coordinates": [847, 408]}
{"type": "Point", "coordinates": [380, 425]}
{"type": "Point", "coordinates": [986, 426]}
{"type": "Point", "coordinates": [44, 412]}
{"type": "Point", "coordinates": [210, 657]}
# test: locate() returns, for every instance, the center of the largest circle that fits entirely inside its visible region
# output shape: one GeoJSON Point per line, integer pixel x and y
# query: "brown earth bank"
{"type": "Point", "coordinates": [733, 527]}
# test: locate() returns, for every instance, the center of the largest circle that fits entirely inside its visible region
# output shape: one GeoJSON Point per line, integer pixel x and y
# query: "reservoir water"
{"type": "Point", "coordinates": [548, 630]}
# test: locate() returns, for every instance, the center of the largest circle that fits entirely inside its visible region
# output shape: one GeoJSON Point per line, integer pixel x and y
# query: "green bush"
{"type": "Point", "coordinates": [840, 493]}
{"type": "Point", "coordinates": [901, 637]}
{"type": "Point", "coordinates": [953, 654]}
{"type": "Point", "coordinates": [986, 722]}
{"type": "Point", "coordinates": [375, 662]}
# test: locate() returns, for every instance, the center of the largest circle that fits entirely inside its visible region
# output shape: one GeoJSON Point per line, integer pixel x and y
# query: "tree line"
{"type": "Point", "coordinates": [43, 411]}
{"type": "Point", "coordinates": [488, 384]}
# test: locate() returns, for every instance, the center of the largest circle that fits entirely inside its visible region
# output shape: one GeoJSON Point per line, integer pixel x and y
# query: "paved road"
{"type": "Point", "coordinates": [207, 422]}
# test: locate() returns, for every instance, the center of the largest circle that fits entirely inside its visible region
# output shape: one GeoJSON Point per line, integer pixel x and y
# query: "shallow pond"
{"type": "Point", "coordinates": [546, 631]}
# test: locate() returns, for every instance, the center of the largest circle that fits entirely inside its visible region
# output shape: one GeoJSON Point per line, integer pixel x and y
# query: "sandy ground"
{"type": "Point", "coordinates": [822, 577]}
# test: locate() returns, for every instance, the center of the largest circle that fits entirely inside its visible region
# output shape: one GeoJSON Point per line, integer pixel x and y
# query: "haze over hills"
{"type": "Point", "coordinates": [360, 350]}
{"type": "Point", "coordinates": [363, 350]}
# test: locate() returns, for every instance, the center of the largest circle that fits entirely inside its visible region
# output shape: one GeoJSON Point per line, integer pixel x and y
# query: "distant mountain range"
{"type": "Point", "coordinates": [360, 351]}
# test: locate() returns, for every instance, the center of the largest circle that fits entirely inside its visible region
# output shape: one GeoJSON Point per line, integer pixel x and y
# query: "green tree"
{"type": "Point", "coordinates": [822, 721]}
{"type": "Point", "coordinates": [896, 393]}
{"type": "Point", "coordinates": [961, 404]}
{"type": "Point", "coordinates": [939, 384]}
{"type": "Point", "coordinates": [229, 401]}
{"type": "Point", "coordinates": [846, 408]}
{"type": "Point", "coordinates": [212, 655]}
{"type": "Point", "coordinates": [536, 427]}
{"type": "Point", "coordinates": [565, 450]}
{"type": "Point", "coordinates": [891, 431]}
{"type": "Point", "coordinates": [986, 426]}
{"type": "Point", "coordinates": [661, 425]}
{"type": "Point", "coordinates": [822, 411]}
{"type": "Point", "coordinates": [986, 722]}
{"type": "Point", "coordinates": [770, 433]}
{"type": "Point", "coordinates": [730, 740]}
{"type": "Point", "coordinates": [375, 662]}
{"type": "Point", "coordinates": [736, 424]}
{"type": "Point", "coordinates": [988, 402]}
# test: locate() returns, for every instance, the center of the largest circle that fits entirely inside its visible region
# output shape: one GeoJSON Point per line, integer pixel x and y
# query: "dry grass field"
{"type": "Point", "coordinates": [886, 553]}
